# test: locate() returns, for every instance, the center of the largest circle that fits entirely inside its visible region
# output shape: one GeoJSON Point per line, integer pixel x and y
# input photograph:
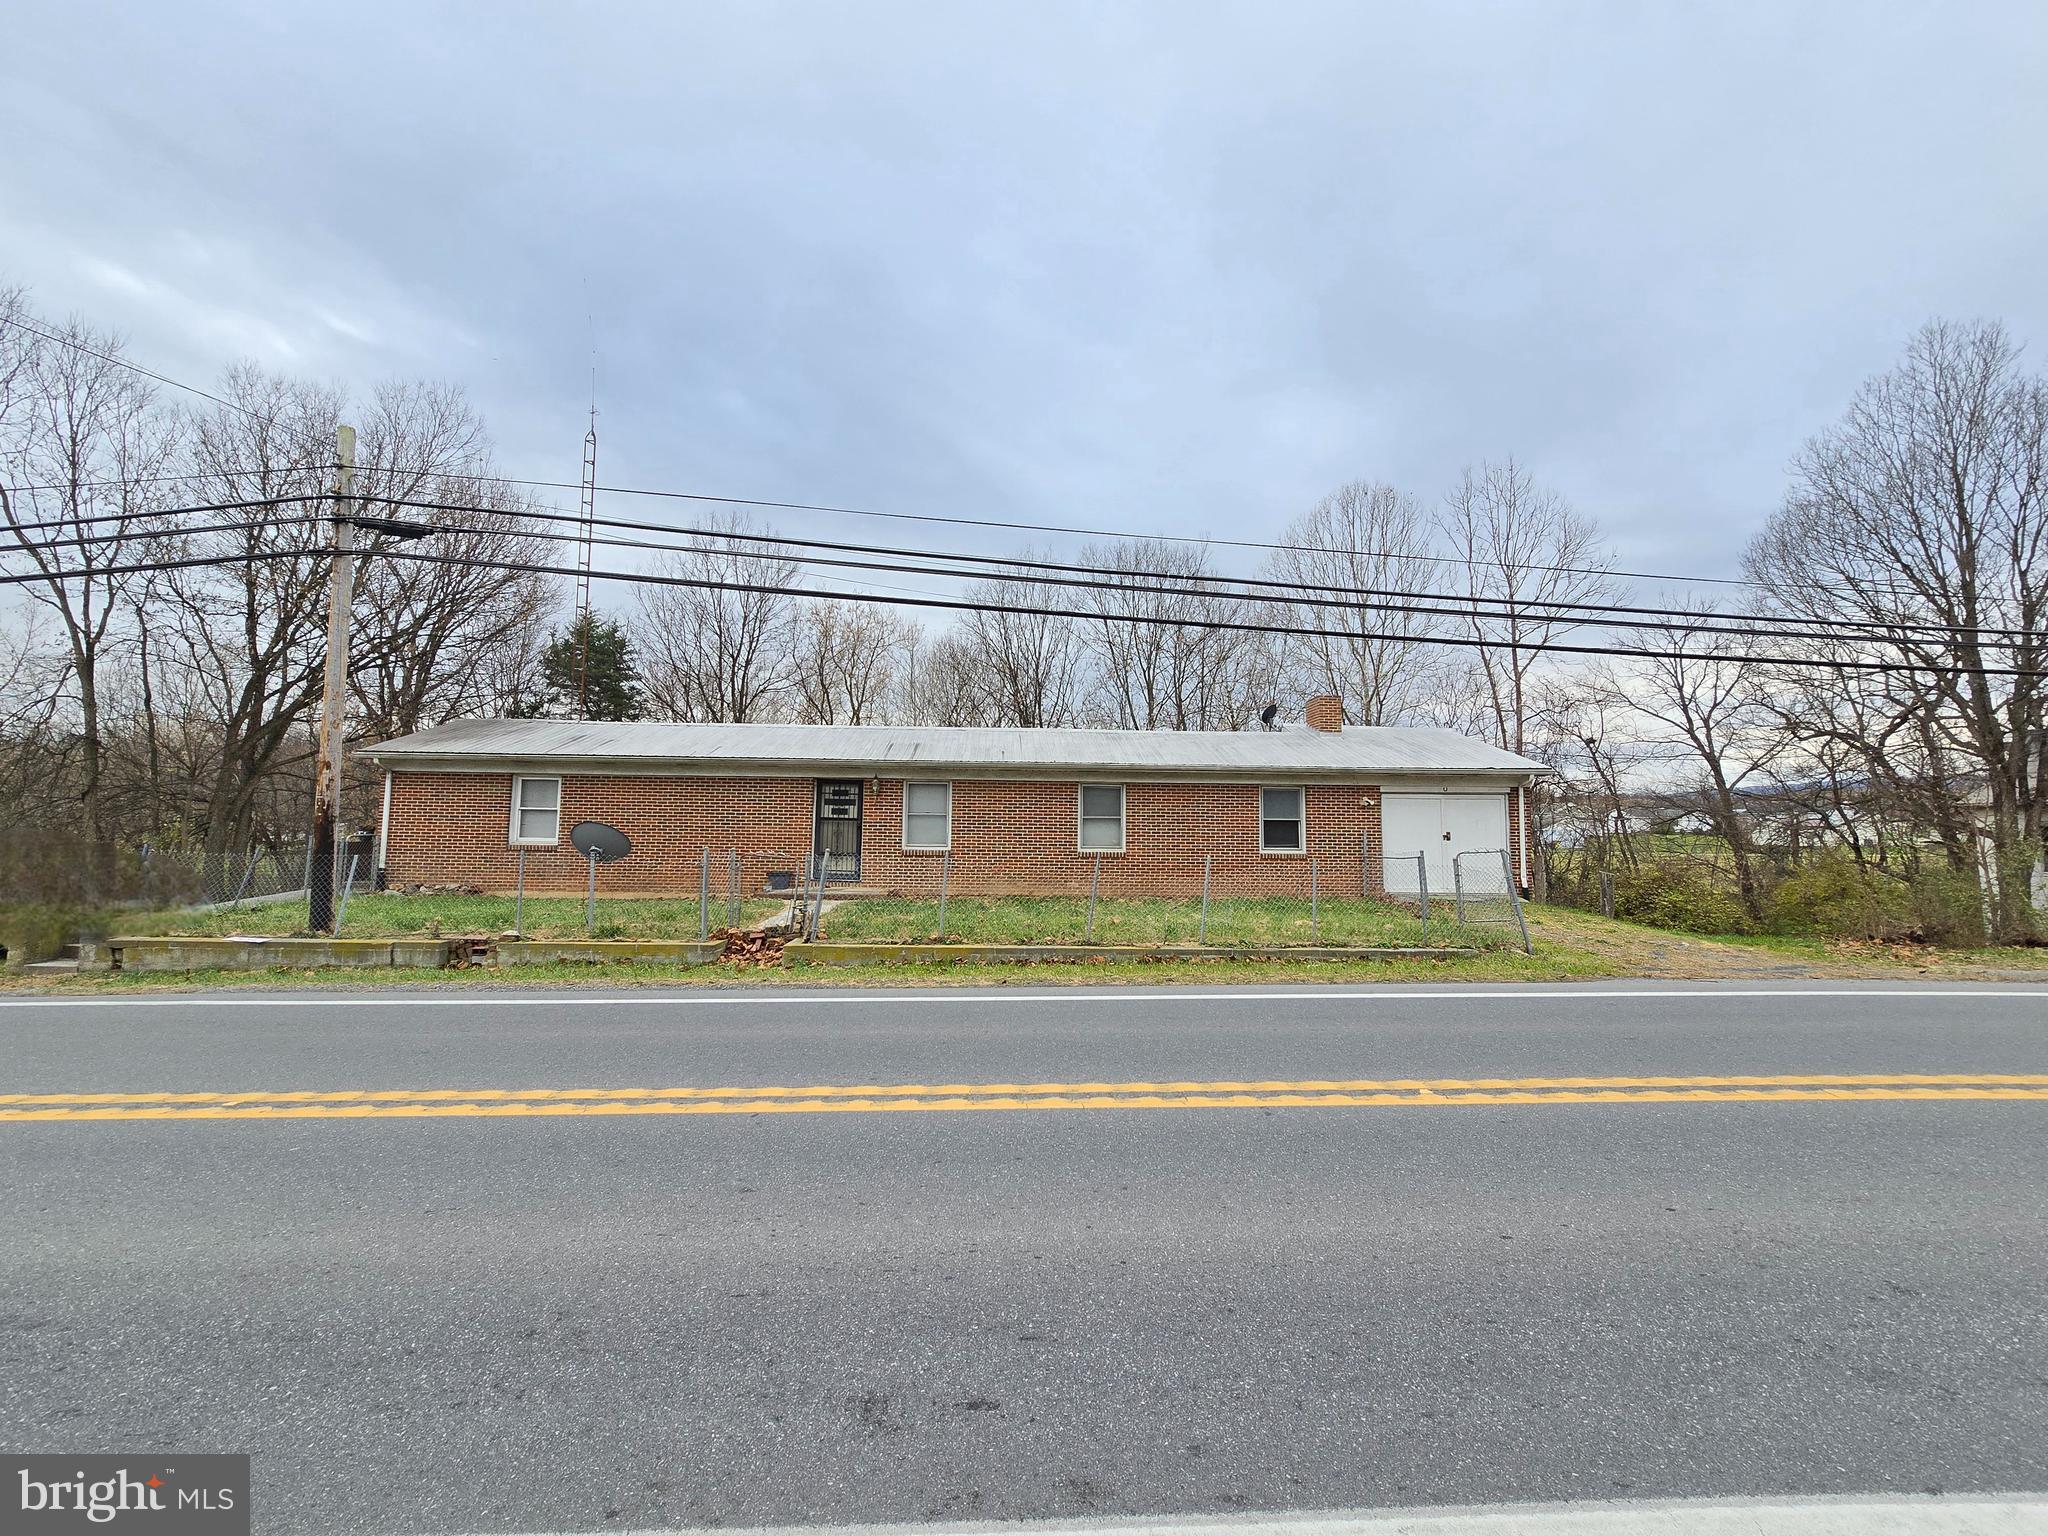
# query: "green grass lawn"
{"type": "Point", "coordinates": [375, 915]}
{"type": "Point", "coordinates": [1236, 922]}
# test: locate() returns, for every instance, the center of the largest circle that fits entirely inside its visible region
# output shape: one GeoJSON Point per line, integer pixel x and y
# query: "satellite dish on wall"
{"type": "Point", "coordinates": [600, 843]}
{"type": "Point", "coordinates": [1268, 715]}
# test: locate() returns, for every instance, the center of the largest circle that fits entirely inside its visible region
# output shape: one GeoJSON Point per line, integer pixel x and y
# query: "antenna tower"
{"type": "Point", "coordinates": [586, 530]}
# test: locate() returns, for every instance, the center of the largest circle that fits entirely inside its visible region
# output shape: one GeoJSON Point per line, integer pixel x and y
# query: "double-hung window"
{"type": "Point", "coordinates": [1102, 818]}
{"type": "Point", "coordinates": [1280, 821]}
{"type": "Point", "coordinates": [928, 816]}
{"type": "Point", "coordinates": [536, 812]}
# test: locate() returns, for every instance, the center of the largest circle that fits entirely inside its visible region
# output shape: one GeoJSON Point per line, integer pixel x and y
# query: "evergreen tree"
{"type": "Point", "coordinates": [613, 688]}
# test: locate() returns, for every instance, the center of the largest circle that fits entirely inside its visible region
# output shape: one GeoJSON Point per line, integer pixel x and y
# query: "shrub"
{"type": "Point", "coordinates": [1679, 893]}
{"type": "Point", "coordinates": [1832, 897]}
{"type": "Point", "coordinates": [38, 930]}
{"type": "Point", "coordinates": [1948, 906]}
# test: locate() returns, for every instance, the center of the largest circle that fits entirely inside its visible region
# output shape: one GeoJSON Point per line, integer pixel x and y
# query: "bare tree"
{"type": "Point", "coordinates": [430, 632]}
{"type": "Point", "coordinates": [1374, 655]}
{"type": "Point", "coordinates": [718, 646]}
{"type": "Point", "coordinates": [84, 445]}
{"type": "Point", "coordinates": [944, 683]}
{"type": "Point", "coordinates": [1694, 687]}
{"type": "Point", "coordinates": [848, 662]}
{"type": "Point", "coordinates": [1015, 664]}
{"type": "Point", "coordinates": [1524, 551]}
{"type": "Point", "coordinates": [1915, 532]}
{"type": "Point", "coordinates": [1163, 658]}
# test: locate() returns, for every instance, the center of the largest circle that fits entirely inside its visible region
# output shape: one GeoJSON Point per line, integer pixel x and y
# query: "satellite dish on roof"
{"type": "Point", "coordinates": [1268, 715]}
{"type": "Point", "coordinates": [599, 843]}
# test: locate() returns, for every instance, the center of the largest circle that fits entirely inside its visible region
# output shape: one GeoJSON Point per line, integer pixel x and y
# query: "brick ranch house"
{"type": "Point", "coordinates": [1019, 811]}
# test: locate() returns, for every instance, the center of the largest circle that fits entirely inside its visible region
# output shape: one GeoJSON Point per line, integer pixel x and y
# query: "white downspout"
{"type": "Point", "coordinates": [383, 829]}
{"type": "Point", "coordinates": [1527, 847]}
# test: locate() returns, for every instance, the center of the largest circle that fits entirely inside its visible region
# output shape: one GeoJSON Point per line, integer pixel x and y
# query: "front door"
{"type": "Point", "coordinates": [838, 828]}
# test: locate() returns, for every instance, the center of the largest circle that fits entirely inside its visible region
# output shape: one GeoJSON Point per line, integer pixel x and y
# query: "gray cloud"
{"type": "Point", "coordinates": [1175, 267]}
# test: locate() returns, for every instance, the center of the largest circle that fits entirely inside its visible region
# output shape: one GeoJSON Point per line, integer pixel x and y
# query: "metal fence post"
{"type": "Point", "coordinates": [1515, 901]}
{"type": "Point", "coordinates": [817, 899]}
{"type": "Point", "coordinates": [590, 899]}
{"type": "Point", "coordinates": [341, 912]}
{"type": "Point", "coordinates": [1315, 909]}
{"type": "Point", "coordinates": [735, 904]}
{"type": "Point", "coordinates": [704, 895]}
{"type": "Point", "coordinates": [1203, 936]}
{"type": "Point", "coordinates": [243, 889]}
{"type": "Point", "coordinates": [1094, 884]}
{"type": "Point", "coordinates": [945, 880]}
{"type": "Point", "coordinates": [519, 897]}
{"type": "Point", "coordinates": [1422, 891]}
{"type": "Point", "coordinates": [1458, 884]}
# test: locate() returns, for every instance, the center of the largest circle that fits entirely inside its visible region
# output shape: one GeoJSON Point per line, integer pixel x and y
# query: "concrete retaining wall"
{"type": "Point", "coordinates": [211, 954]}
{"type": "Point", "coordinates": [632, 951]}
{"type": "Point", "coordinates": [827, 953]}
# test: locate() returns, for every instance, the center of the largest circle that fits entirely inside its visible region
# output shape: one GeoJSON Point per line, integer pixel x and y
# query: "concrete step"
{"type": "Point", "coordinates": [53, 967]}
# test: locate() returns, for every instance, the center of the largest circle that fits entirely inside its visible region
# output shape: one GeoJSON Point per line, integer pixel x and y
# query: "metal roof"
{"type": "Point", "coordinates": [899, 749]}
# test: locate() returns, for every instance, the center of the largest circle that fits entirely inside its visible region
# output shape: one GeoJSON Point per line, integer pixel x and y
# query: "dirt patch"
{"type": "Point", "coordinates": [1652, 954]}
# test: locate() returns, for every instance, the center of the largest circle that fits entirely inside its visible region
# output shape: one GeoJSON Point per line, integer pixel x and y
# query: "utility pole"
{"type": "Point", "coordinates": [334, 692]}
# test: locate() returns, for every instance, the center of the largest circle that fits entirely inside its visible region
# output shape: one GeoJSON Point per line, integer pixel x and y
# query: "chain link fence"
{"type": "Point", "coordinates": [180, 877]}
{"type": "Point", "coordinates": [1319, 908]}
{"type": "Point", "coordinates": [1465, 902]}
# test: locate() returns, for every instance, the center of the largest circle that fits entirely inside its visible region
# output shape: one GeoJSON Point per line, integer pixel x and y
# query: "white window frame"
{"type": "Point", "coordinates": [1300, 820]}
{"type": "Point", "coordinates": [512, 836]}
{"type": "Point", "coordinates": [908, 845]}
{"type": "Point", "coordinates": [1123, 817]}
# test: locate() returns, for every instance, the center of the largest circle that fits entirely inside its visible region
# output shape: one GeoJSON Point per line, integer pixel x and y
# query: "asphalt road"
{"type": "Point", "coordinates": [546, 1317]}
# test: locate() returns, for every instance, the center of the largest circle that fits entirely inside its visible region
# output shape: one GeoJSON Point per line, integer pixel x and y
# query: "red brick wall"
{"type": "Point", "coordinates": [1008, 836]}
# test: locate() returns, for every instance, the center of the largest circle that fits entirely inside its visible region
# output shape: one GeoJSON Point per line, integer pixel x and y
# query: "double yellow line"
{"type": "Point", "coordinates": [902, 1098]}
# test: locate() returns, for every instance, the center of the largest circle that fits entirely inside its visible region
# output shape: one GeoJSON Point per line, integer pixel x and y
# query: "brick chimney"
{"type": "Point", "coordinates": [1326, 713]}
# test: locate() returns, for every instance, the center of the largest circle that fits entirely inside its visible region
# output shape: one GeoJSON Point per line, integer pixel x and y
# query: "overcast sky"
{"type": "Point", "coordinates": [1176, 267]}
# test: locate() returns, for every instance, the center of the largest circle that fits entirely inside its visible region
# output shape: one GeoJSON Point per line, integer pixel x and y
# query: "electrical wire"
{"type": "Point", "coordinates": [139, 567]}
{"type": "Point", "coordinates": [1534, 610]}
{"type": "Point", "coordinates": [1233, 625]}
{"type": "Point", "coordinates": [1099, 533]}
{"type": "Point", "coordinates": [1164, 584]}
{"type": "Point", "coordinates": [122, 362]}
{"type": "Point", "coordinates": [124, 517]}
{"type": "Point", "coordinates": [60, 545]}
{"type": "Point", "coordinates": [1119, 580]}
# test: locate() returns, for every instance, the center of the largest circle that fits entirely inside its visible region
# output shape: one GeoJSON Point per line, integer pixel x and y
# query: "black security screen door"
{"type": "Point", "coordinates": [839, 828]}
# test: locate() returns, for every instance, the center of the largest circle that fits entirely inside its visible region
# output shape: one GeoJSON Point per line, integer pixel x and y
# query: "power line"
{"type": "Point", "coordinates": [1099, 533]}
{"type": "Point", "coordinates": [122, 362]}
{"type": "Point", "coordinates": [1418, 604]}
{"type": "Point", "coordinates": [1234, 625]}
{"type": "Point", "coordinates": [58, 545]}
{"type": "Point", "coordinates": [123, 517]}
{"type": "Point", "coordinates": [110, 484]}
{"type": "Point", "coordinates": [1013, 568]}
{"type": "Point", "coordinates": [961, 604]}
{"type": "Point", "coordinates": [139, 567]}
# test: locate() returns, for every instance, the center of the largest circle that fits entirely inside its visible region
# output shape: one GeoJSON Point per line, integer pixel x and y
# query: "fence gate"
{"type": "Point", "coordinates": [1483, 890]}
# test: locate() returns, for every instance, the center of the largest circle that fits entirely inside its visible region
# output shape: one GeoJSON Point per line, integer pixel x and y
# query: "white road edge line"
{"type": "Point", "coordinates": [2018, 1514]}
{"type": "Point", "coordinates": [837, 998]}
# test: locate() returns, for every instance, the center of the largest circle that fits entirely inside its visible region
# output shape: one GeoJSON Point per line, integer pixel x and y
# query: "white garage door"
{"type": "Point", "coordinates": [1441, 826]}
